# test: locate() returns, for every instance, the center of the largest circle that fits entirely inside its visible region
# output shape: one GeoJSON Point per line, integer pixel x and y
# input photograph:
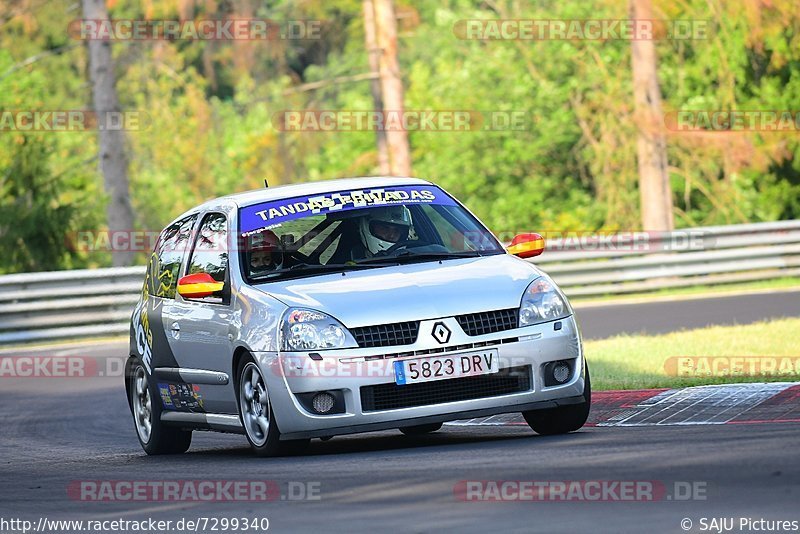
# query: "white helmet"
{"type": "Point", "coordinates": [381, 228]}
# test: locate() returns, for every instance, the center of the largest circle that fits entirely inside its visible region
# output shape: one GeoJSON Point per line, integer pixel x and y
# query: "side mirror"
{"type": "Point", "coordinates": [198, 285]}
{"type": "Point", "coordinates": [526, 245]}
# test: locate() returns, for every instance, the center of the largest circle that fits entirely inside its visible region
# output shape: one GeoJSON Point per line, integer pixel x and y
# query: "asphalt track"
{"type": "Point", "coordinates": [605, 320]}
{"type": "Point", "coordinates": [55, 433]}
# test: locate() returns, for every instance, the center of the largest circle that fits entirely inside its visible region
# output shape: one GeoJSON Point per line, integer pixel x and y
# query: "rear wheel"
{"type": "Point", "coordinates": [418, 430]}
{"type": "Point", "coordinates": [562, 419]}
{"type": "Point", "coordinates": [154, 436]}
{"type": "Point", "coordinates": [257, 417]}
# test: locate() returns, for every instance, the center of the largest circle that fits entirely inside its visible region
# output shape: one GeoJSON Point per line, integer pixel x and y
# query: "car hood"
{"type": "Point", "coordinates": [411, 292]}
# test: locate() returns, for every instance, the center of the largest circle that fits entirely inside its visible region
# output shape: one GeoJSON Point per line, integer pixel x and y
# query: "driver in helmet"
{"type": "Point", "coordinates": [265, 253]}
{"type": "Point", "coordinates": [382, 228]}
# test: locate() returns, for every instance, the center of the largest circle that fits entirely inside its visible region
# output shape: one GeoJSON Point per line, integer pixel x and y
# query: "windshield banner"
{"type": "Point", "coordinates": [260, 216]}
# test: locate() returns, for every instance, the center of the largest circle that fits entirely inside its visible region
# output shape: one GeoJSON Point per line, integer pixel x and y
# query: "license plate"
{"type": "Point", "coordinates": [443, 367]}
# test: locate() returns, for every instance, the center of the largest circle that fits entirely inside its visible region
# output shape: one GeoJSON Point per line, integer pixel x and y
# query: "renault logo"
{"type": "Point", "coordinates": [440, 332]}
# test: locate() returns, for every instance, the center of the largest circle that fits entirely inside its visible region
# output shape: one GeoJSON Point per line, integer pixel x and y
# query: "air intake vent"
{"type": "Point", "coordinates": [477, 324]}
{"type": "Point", "coordinates": [393, 397]}
{"type": "Point", "coordinates": [386, 335]}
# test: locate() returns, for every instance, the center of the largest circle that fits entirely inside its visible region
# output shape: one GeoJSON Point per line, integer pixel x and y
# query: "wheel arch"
{"type": "Point", "coordinates": [132, 359]}
{"type": "Point", "coordinates": [239, 354]}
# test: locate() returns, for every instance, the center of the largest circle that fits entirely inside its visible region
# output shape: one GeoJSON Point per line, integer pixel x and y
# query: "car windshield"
{"type": "Point", "coordinates": [357, 229]}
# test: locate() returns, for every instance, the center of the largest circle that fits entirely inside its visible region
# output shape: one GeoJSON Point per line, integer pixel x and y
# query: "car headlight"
{"type": "Point", "coordinates": [312, 330]}
{"type": "Point", "coordinates": [541, 302]}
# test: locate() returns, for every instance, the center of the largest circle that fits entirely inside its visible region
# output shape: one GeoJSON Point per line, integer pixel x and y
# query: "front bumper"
{"type": "Point", "coordinates": [349, 370]}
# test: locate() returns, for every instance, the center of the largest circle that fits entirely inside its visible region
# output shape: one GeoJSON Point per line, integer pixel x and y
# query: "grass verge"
{"type": "Point", "coordinates": [767, 352]}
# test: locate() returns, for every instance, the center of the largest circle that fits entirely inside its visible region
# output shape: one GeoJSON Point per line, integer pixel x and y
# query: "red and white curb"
{"type": "Point", "coordinates": [777, 402]}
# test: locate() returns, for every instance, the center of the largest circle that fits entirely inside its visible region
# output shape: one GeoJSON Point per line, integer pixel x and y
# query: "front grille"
{"type": "Point", "coordinates": [386, 335]}
{"type": "Point", "coordinates": [477, 324]}
{"type": "Point", "coordinates": [393, 397]}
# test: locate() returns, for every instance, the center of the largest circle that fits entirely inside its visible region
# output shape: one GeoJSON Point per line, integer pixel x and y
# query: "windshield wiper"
{"type": "Point", "coordinates": [305, 268]}
{"type": "Point", "coordinates": [408, 255]}
{"type": "Point", "coordinates": [405, 256]}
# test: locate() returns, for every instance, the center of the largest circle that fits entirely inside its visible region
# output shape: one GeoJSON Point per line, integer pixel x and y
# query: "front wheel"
{"type": "Point", "coordinates": [154, 436]}
{"type": "Point", "coordinates": [562, 419]}
{"type": "Point", "coordinates": [257, 417]}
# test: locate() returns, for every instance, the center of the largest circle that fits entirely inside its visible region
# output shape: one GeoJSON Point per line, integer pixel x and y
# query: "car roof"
{"type": "Point", "coordinates": [280, 192]}
{"type": "Point", "coordinates": [256, 196]}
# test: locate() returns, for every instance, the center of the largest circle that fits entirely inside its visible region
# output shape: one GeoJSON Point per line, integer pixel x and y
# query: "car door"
{"type": "Point", "coordinates": [152, 341]}
{"type": "Point", "coordinates": [199, 328]}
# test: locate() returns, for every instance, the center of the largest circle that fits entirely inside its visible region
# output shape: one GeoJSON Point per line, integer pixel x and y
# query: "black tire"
{"type": "Point", "coordinates": [257, 417]}
{"type": "Point", "coordinates": [562, 419]}
{"type": "Point", "coordinates": [145, 403]}
{"type": "Point", "coordinates": [418, 430]}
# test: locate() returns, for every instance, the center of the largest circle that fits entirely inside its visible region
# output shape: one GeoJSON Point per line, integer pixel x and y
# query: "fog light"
{"type": "Point", "coordinates": [558, 373]}
{"type": "Point", "coordinates": [561, 372]}
{"type": "Point", "coordinates": [323, 402]}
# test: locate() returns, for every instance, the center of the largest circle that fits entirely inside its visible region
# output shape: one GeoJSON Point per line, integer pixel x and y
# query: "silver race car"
{"type": "Point", "coordinates": [346, 306]}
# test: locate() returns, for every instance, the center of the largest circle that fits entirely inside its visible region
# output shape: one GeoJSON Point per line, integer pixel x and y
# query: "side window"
{"type": "Point", "coordinates": [165, 263]}
{"type": "Point", "coordinates": [210, 253]}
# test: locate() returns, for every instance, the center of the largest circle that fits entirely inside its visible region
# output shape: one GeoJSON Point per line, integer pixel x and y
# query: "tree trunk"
{"type": "Point", "coordinates": [655, 192]}
{"type": "Point", "coordinates": [373, 53]}
{"type": "Point", "coordinates": [391, 85]}
{"type": "Point", "coordinates": [113, 162]}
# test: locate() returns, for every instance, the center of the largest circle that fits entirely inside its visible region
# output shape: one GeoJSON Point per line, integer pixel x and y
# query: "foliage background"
{"type": "Point", "coordinates": [574, 169]}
